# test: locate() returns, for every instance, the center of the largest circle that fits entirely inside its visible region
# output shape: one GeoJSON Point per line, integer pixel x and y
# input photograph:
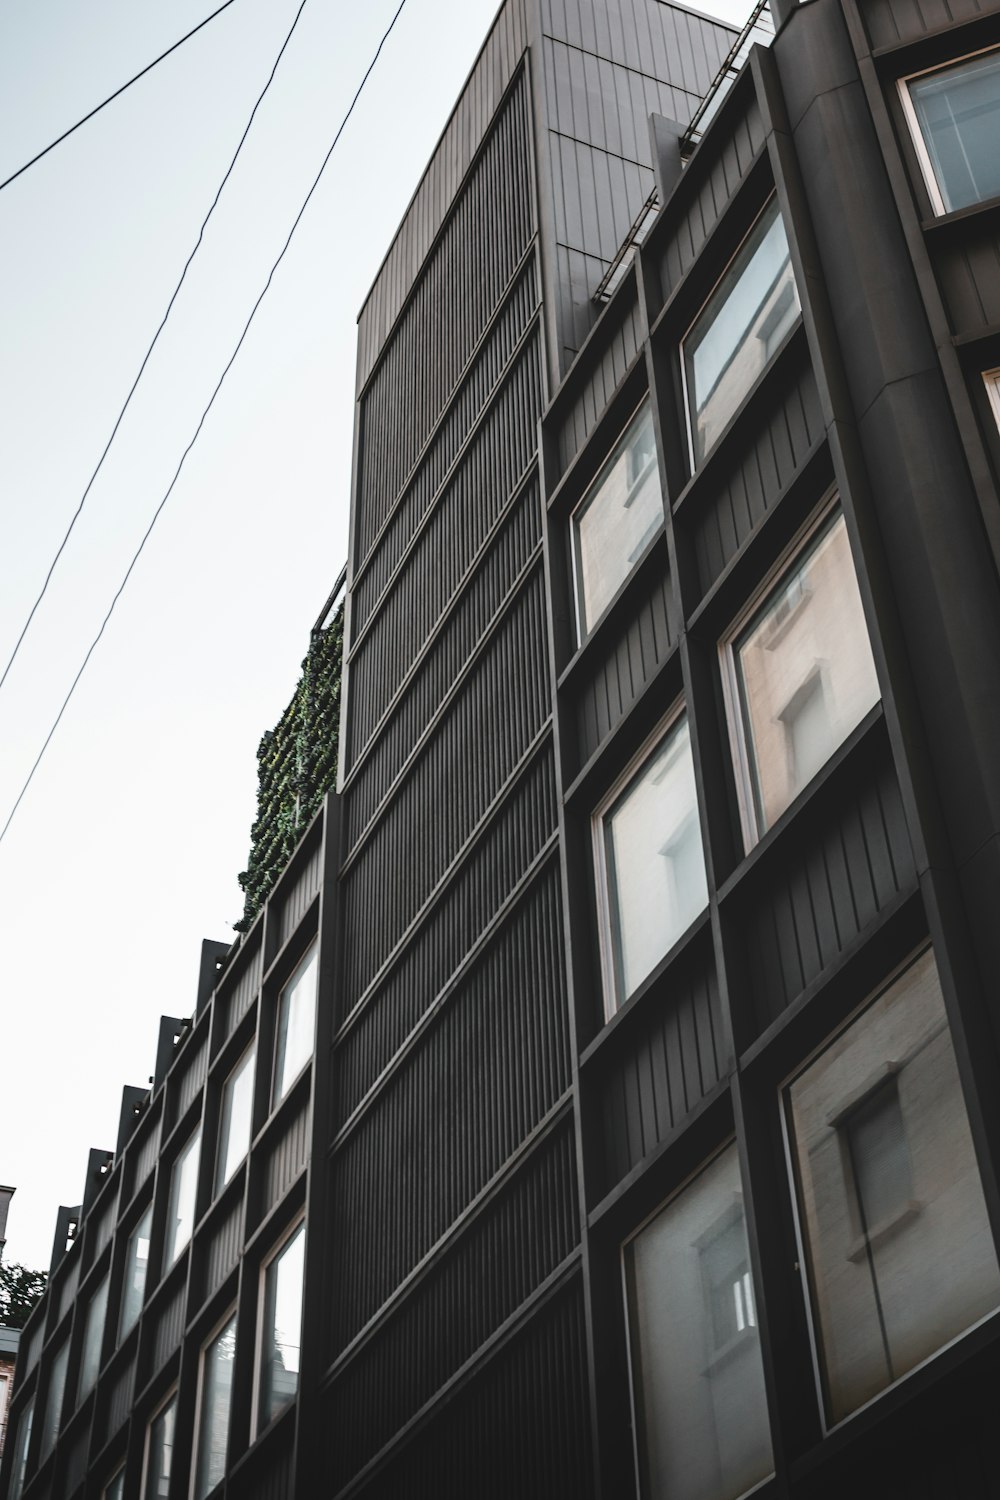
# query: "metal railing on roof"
{"type": "Point", "coordinates": [758, 29]}
{"type": "Point", "coordinates": [638, 230]}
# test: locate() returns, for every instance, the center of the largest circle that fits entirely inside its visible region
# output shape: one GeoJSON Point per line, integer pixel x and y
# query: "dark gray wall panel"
{"type": "Point", "coordinates": [829, 888]}
{"type": "Point", "coordinates": [528, 1229]}
{"type": "Point", "coordinates": [271, 1475]}
{"type": "Point", "coordinates": [621, 671]}
{"type": "Point", "coordinates": [776, 450]}
{"type": "Point", "coordinates": [168, 1327]}
{"type": "Point", "coordinates": [458, 290]}
{"type": "Point", "coordinates": [620, 339]}
{"type": "Point", "coordinates": [657, 1076]}
{"type": "Point", "coordinates": [286, 1158]}
{"type": "Point", "coordinates": [67, 1286]}
{"type": "Point", "coordinates": [474, 611]}
{"type": "Point", "coordinates": [224, 1249]}
{"type": "Point", "coordinates": [427, 964]}
{"type": "Point", "coordinates": [519, 1431]}
{"type": "Point", "coordinates": [142, 1154]}
{"type": "Point", "coordinates": [76, 1463]}
{"type": "Point", "coordinates": [496, 1059]}
{"type": "Point", "coordinates": [468, 404]}
{"type": "Point", "coordinates": [242, 995]}
{"type": "Point", "coordinates": [120, 1398]}
{"type": "Point", "coordinates": [184, 1090]}
{"type": "Point", "coordinates": [969, 273]}
{"type": "Point", "coordinates": [296, 900]}
{"type": "Point", "coordinates": [501, 709]}
{"type": "Point", "coordinates": [462, 136]}
{"type": "Point", "coordinates": [490, 470]}
{"type": "Point", "coordinates": [720, 168]}
{"type": "Point", "coordinates": [892, 21]}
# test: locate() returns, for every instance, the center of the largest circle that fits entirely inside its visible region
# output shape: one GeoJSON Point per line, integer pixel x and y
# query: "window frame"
{"type": "Point", "coordinates": [916, 135]}
{"type": "Point", "coordinates": [991, 380]}
{"type": "Point", "coordinates": [602, 888]}
{"type": "Point", "coordinates": [122, 1333]}
{"type": "Point", "coordinates": [195, 1139]}
{"type": "Point", "coordinates": [583, 633]}
{"type": "Point", "coordinates": [695, 464]}
{"type": "Point", "coordinates": [821, 518]}
{"type": "Point", "coordinates": [231, 1315]}
{"type": "Point", "coordinates": [154, 1416]}
{"type": "Point", "coordinates": [119, 1473]}
{"type": "Point", "coordinates": [311, 950]}
{"type": "Point", "coordinates": [218, 1182]}
{"type": "Point", "coordinates": [256, 1430]}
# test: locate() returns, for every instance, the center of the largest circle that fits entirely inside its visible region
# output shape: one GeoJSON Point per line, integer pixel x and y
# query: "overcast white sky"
{"type": "Point", "coordinates": [125, 851]}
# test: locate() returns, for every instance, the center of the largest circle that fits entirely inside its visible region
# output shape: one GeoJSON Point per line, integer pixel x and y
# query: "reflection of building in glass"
{"type": "Point", "coordinates": [603, 1100]}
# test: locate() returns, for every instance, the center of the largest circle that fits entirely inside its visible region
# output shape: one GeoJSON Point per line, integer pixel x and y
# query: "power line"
{"type": "Point", "coordinates": [146, 357]}
{"type": "Point", "coordinates": [201, 422]}
{"type": "Point", "coordinates": [112, 97]}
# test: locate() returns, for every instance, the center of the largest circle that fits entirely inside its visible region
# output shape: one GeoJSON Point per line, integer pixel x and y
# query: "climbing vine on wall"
{"type": "Point", "coordinates": [297, 764]}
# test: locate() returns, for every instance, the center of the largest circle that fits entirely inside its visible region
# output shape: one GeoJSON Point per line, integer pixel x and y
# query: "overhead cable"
{"type": "Point", "coordinates": [148, 354]}
{"type": "Point", "coordinates": [201, 422]}
{"type": "Point", "coordinates": [112, 97]}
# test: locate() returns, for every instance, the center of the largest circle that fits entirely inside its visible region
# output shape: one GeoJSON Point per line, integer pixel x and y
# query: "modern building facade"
{"type": "Point", "coordinates": [605, 1101]}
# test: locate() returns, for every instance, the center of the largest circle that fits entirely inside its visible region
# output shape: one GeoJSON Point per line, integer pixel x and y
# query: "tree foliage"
{"type": "Point", "coordinates": [20, 1289]}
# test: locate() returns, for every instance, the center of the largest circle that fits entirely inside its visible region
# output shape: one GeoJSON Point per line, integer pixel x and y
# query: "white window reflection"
{"type": "Point", "coordinates": [93, 1337]}
{"type": "Point", "coordinates": [54, 1401]}
{"type": "Point", "coordinates": [183, 1194]}
{"type": "Point", "coordinates": [738, 330]}
{"type": "Point", "coordinates": [136, 1267]}
{"type": "Point", "coordinates": [650, 863]}
{"type": "Point", "coordinates": [617, 519]}
{"type": "Point", "coordinates": [281, 1328]}
{"type": "Point", "coordinates": [295, 1025]}
{"type": "Point", "coordinates": [954, 115]}
{"type": "Point", "coordinates": [801, 677]}
{"type": "Point", "coordinates": [900, 1255]}
{"type": "Point", "coordinates": [701, 1419]}
{"type": "Point", "coordinates": [215, 1404]}
{"type": "Point", "coordinates": [21, 1443]}
{"type": "Point", "coordinates": [160, 1453]}
{"type": "Point", "coordinates": [235, 1118]}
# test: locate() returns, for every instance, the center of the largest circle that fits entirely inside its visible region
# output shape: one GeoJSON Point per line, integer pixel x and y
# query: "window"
{"type": "Point", "coordinates": [701, 1419]}
{"type": "Point", "coordinates": [93, 1337]}
{"type": "Point", "coordinates": [214, 1406]}
{"type": "Point", "coordinates": [799, 677]}
{"type": "Point", "coordinates": [54, 1401]}
{"type": "Point", "coordinates": [115, 1487]}
{"type": "Point", "coordinates": [616, 520]}
{"type": "Point", "coordinates": [20, 1462]}
{"type": "Point", "coordinates": [136, 1266]}
{"type": "Point", "coordinates": [650, 865]}
{"type": "Point", "coordinates": [235, 1120]}
{"type": "Point", "coordinates": [992, 382]}
{"type": "Point", "coordinates": [738, 330]}
{"type": "Point", "coordinates": [954, 117]}
{"type": "Point", "coordinates": [183, 1194]}
{"type": "Point", "coordinates": [160, 1452]}
{"type": "Point", "coordinates": [898, 1248]}
{"type": "Point", "coordinates": [296, 1022]}
{"type": "Point", "coordinates": [280, 1330]}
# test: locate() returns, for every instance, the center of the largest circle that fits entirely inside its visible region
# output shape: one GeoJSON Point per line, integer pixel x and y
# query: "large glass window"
{"type": "Point", "coordinates": [296, 1023]}
{"type": "Point", "coordinates": [54, 1401]}
{"type": "Point", "coordinates": [183, 1194]}
{"type": "Point", "coordinates": [991, 379]}
{"type": "Point", "coordinates": [738, 329]}
{"type": "Point", "coordinates": [616, 520]}
{"type": "Point", "coordinates": [651, 869]}
{"type": "Point", "coordinates": [115, 1487]}
{"type": "Point", "coordinates": [800, 677]}
{"type": "Point", "coordinates": [954, 114]}
{"type": "Point", "coordinates": [136, 1266]}
{"type": "Point", "coordinates": [21, 1442]}
{"type": "Point", "coordinates": [697, 1381]}
{"type": "Point", "coordinates": [93, 1337]}
{"type": "Point", "coordinates": [160, 1452]}
{"type": "Point", "coordinates": [214, 1408]}
{"type": "Point", "coordinates": [235, 1119]}
{"type": "Point", "coordinates": [281, 1328]}
{"type": "Point", "coordinates": [898, 1246]}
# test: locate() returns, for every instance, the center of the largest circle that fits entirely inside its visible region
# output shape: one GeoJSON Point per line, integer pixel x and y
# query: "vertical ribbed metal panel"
{"type": "Point", "coordinates": [246, 986]}
{"type": "Point", "coordinates": [286, 1157]}
{"type": "Point", "coordinates": [424, 966]}
{"type": "Point", "coordinates": [502, 707]}
{"type": "Point", "coordinates": [120, 1399]}
{"type": "Point", "coordinates": [143, 1153]}
{"type": "Point", "coordinates": [656, 1076]}
{"type": "Point", "coordinates": [270, 1476]}
{"type": "Point", "coordinates": [68, 1283]}
{"type": "Point", "coordinates": [296, 900]}
{"type": "Point", "coordinates": [620, 345]}
{"type": "Point", "coordinates": [494, 463]}
{"type": "Point", "coordinates": [461, 285]}
{"type": "Point", "coordinates": [185, 1089]}
{"type": "Point", "coordinates": [822, 898]}
{"type": "Point", "coordinates": [495, 1059]}
{"type": "Point", "coordinates": [168, 1327]}
{"type": "Point", "coordinates": [99, 1229]}
{"type": "Point", "coordinates": [529, 1229]}
{"type": "Point", "coordinates": [892, 21]}
{"type": "Point", "coordinates": [623, 668]}
{"type": "Point", "coordinates": [783, 437]}
{"type": "Point", "coordinates": [462, 136]}
{"type": "Point", "coordinates": [684, 233]}
{"type": "Point", "coordinates": [224, 1249]}
{"type": "Point", "coordinates": [968, 274]}
{"type": "Point", "coordinates": [76, 1461]}
{"type": "Point", "coordinates": [520, 1430]}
